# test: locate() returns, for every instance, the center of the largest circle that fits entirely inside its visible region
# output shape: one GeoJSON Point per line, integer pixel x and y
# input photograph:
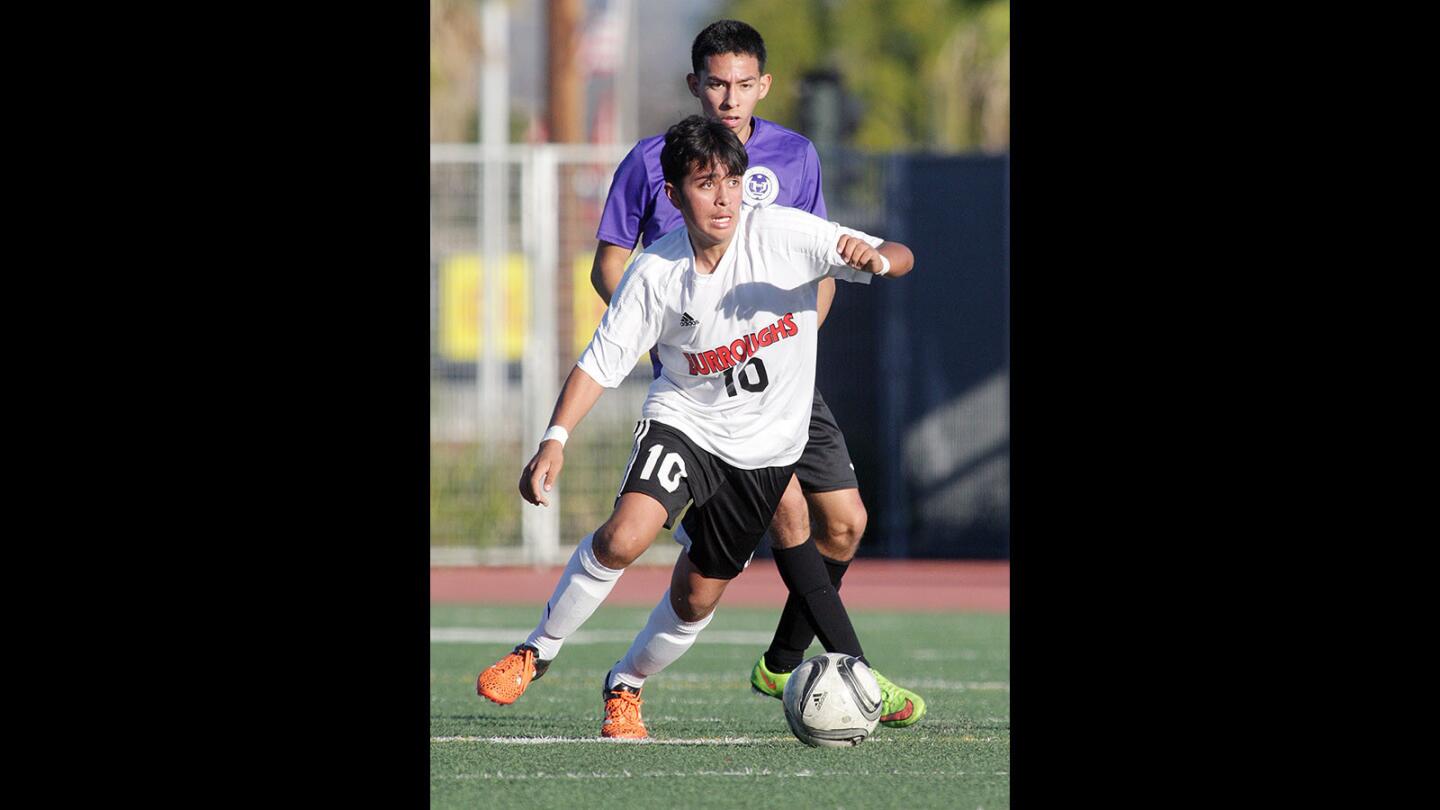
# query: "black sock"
{"type": "Point", "coordinates": [804, 572]}
{"type": "Point", "coordinates": [793, 633]}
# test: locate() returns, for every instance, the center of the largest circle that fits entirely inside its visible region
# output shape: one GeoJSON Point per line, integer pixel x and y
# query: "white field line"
{"type": "Point", "coordinates": [725, 680]}
{"type": "Point", "coordinates": [884, 740]}
{"type": "Point", "coordinates": [486, 635]}
{"type": "Point", "coordinates": [608, 741]}
{"type": "Point", "coordinates": [747, 772]}
{"type": "Point", "coordinates": [919, 684]}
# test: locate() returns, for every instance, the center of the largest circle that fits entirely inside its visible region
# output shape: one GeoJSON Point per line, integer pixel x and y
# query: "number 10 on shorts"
{"type": "Point", "coordinates": [672, 469]}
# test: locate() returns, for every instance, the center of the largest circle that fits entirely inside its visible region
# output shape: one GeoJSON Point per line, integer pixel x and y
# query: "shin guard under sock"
{"type": "Point", "coordinates": [583, 586]}
{"type": "Point", "coordinates": [803, 570]}
{"type": "Point", "coordinates": [793, 633]}
{"type": "Point", "coordinates": [665, 638]}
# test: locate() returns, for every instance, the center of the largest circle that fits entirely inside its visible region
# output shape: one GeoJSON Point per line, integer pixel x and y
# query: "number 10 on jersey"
{"type": "Point", "coordinates": [753, 383]}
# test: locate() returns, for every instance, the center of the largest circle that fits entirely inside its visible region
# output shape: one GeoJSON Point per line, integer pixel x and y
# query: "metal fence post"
{"type": "Point", "coordinates": [540, 526]}
{"type": "Point", "coordinates": [494, 114]}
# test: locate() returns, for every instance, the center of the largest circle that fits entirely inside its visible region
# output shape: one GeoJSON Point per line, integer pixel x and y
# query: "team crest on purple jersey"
{"type": "Point", "coordinates": [761, 186]}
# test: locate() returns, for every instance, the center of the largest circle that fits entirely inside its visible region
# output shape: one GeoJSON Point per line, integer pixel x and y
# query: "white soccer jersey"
{"type": "Point", "coordinates": [738, 344]}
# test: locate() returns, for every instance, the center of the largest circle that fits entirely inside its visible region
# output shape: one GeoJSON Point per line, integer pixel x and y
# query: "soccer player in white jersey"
{"type": "Point", "coordinates": [729, 301]}
{"type": "Point", "coordinates": [823, 507]}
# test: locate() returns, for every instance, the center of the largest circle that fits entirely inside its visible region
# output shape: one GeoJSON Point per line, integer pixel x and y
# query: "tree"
{"type": "Point", "coordinates": [454, 71]}
{"type": "Point", "coordinates": [931, 74]}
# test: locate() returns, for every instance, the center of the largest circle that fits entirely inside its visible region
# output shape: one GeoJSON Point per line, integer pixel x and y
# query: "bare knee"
{"type": "Point", "coordinates": [839, 522]}
{"type": "Point", "coordinates": [693, 596]}
{"type": "Point", "coordinates": [629, 531]}
{"type": "Point", "coordinates": [620, 542]}
{"type": "Point", "coordinates": [693, 607]}
{"type": "Point", "coordinates": [791, 524]}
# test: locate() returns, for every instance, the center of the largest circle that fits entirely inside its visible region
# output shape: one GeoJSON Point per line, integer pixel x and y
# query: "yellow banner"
{"type": "Point", "coordinates": [462, 301]}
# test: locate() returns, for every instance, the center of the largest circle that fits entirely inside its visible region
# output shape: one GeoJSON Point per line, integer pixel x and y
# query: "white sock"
{"type": "Point", "coordinates": [583, 586]}
{"type": "Point", "coordinates": [662, 642]}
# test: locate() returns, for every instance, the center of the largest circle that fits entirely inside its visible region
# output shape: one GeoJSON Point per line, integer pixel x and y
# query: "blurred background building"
{"type": "Point", "coordinates": [534, 103]}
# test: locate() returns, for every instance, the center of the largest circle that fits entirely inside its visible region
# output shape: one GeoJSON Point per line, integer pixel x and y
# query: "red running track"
{"type": "Point", "coordinates": [928, 585]}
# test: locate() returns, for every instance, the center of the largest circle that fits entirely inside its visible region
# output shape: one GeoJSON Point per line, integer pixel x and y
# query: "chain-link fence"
{"type": "Point", "coordinates": [512, 307]}
{"type": "Point", "coordinates": [509, 317]}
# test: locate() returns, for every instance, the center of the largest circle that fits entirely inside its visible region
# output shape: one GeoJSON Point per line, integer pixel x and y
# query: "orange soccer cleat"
{"type": "Point", "coordinates": [506, 680]}
{"type": "Point", "coordinates": [622, 713]}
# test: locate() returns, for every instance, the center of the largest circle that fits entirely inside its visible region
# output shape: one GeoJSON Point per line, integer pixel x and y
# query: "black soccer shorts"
{"type": "Point", "coordinates": [825, 466]}
{"type": "Point", "coordinates": [732, 508]}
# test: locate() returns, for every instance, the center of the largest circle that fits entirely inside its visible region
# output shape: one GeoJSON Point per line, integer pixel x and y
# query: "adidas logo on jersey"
{"type": "Point", "coordinates": [686, 320]}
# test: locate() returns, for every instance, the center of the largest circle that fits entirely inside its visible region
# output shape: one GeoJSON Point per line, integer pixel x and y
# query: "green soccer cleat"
{"type": "Point", "coordinates": [901, 707]}
{"type": "Point", "coordinates": [766, 682]}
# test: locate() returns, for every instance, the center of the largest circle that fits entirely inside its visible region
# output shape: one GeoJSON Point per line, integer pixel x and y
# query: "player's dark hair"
{"type": "Point", "coordinates": [698, 141]}
{"type": "Point", "coordinates": [726, 36]}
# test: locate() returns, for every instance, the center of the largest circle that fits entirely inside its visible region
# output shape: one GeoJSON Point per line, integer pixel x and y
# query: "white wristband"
{"type": "Point", "coordinates": [884, 264]}
{"type": "Point", "coordinates": [557, 433]}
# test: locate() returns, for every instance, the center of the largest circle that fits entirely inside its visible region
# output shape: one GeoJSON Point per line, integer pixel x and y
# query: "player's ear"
{"type": "Point", "coordinates": [671, 195]}
{"type": "Point", "coordinates": [764, 87]}
{"type": "Point", "coordinates": [693, 82]}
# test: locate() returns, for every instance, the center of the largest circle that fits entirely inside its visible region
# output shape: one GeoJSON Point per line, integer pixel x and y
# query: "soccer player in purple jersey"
{"type": "Point", "coordinates": [823, 500]}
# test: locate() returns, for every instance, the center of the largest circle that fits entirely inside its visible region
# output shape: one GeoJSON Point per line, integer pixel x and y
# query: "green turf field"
{"type": "Point", "coordinates": [714, 742]}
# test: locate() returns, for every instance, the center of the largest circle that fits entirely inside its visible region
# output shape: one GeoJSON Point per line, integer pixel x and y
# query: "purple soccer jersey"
{"type": "Point", "coordinates": [637, 206]}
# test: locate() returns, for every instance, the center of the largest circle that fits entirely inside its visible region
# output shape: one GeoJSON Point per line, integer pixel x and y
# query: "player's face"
{"type": "Point", "coordinates": [709, 200]}
{"type": "Point", "coordinates": [729, 87]}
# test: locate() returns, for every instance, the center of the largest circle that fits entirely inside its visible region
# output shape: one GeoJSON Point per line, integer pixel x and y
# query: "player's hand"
{"type": "Point", "coordinates": [542, 473]}
{"type": "Point", "coordinates": [858, 254]}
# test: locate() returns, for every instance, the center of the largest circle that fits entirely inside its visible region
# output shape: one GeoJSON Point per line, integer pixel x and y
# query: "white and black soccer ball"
{"type": "Point", "coordinates": [832, 700]}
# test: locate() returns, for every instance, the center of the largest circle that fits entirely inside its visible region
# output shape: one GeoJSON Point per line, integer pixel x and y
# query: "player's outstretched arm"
{"type": "Point", "coordinates": [858, 254]}
{"type": "Point", "coordinates": [579, 395]}
{"type": "Point", "coordinates": [608, 269]}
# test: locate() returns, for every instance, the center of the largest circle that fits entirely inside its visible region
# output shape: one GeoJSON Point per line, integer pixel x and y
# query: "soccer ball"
{"type": "Point", "coordinates": [832, 700]}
